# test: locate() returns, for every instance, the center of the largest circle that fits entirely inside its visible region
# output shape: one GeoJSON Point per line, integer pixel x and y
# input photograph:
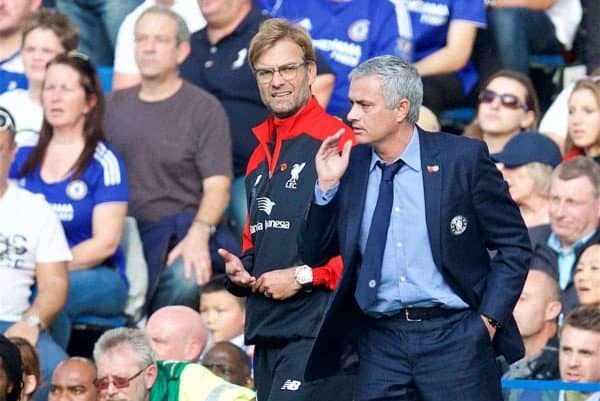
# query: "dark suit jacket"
{"type": "Point", "coordinates": [539, 238]}
{"type": "Point", "coordinates": [466, 184]}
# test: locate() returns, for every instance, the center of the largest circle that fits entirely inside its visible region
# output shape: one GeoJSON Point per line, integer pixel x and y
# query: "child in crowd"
{"type": "Point", "coordinates": [223, 313]}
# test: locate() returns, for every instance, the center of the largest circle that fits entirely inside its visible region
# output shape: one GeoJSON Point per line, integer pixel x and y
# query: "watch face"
{"type": "Point", "coordinates": [304, 275]}
{"type": "Point", "coordinates": [32, 320]}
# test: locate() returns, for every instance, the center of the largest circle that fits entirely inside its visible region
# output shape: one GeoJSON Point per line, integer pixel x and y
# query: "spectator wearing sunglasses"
{"type": "Point", "coordinates": [526, 162]}
{"type": "Point", "coordinates": [583, 137]}
{"type": "Point", "coordinates": [128, 371]}
{"type": "Point", "coordinates": [508, 104]}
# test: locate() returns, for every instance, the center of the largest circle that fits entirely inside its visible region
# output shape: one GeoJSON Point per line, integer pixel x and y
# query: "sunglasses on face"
{"type": "Point", "coordinates": [119, 382]}
{"type": "Point", "coordinates": [506, 99]}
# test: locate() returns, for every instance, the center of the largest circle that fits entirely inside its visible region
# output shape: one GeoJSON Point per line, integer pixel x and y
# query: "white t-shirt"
{"type": "Point", "coordinates": [28, 115]}
{"type": "Point", "coordinates": [124, 50]}
{"type": "Point", "coordinates": [556, 118]}
{"type": "Point", "coordinates": [566, 15]}
{"type": "Point", "coordinates": [30, 233]}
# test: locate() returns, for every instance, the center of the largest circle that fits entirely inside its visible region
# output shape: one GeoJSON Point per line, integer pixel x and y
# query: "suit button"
{"type": "Point", "coordinates": [372, 283]}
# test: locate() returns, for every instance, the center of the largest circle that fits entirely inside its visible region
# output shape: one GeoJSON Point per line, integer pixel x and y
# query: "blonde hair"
{"type": "Point", "coordinates": [272, 31]}
{"type": "Point", "coordinates": [590, 85]}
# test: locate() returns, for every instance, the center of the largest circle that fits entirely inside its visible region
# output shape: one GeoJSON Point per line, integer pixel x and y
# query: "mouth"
{"type": "Point", "coordinates": [281, 94]}
{"type": "Point", "coordinates": [572, 377]}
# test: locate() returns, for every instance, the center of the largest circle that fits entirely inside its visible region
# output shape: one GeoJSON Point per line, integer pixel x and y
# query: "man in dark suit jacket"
{"type": "Point", "coordinates": [426, 306]}
{"type": "Point", "coordinates": [574, 218]}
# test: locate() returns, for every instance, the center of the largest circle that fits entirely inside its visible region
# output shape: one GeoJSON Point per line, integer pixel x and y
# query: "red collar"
{"type": "Point", "coordinates": [286, 128]}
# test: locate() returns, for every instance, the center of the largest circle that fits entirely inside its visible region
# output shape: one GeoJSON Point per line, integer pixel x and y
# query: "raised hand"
{"type": "Point", "coordinates": [235, 269]}
{"type": "Point", "coordinates": [330, 164]}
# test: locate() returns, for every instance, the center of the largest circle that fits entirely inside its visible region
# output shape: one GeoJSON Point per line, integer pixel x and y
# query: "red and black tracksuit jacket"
{"type": "Point", "coordinates": [280, 181]}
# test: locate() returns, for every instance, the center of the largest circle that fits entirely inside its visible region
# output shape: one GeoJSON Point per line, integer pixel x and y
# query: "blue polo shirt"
{"type": "Point", "coordinates": [430, 22]}
{"type": "Point", "coordinates": [347, 33]}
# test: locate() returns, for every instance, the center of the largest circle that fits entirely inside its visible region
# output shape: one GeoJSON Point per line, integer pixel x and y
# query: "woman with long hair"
{"type": "Point", "coordinates": [30, 360]}
{"type": "Point", "coordinates": [583, 138]}
{"type": "Point", "coordinates": [508, 104]}
{"type": "Point", "coordinates": [45, 34]}
{"type": "Point", "coordinates": [587, 276]}
{"type": "Point", "coordinates": [84, 181]}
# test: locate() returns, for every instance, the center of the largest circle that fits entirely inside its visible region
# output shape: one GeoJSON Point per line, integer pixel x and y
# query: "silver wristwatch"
{"type": "Point", "coordinates": [304, 276]}
{"type": "Point", "coordinates": [33, 321]}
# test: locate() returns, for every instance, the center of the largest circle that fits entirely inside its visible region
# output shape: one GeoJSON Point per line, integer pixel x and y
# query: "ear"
{"type": "Point", "coordinates": [150, 375]}
{"type": "Point", "coordinates": [528, 120]}
{"type": "Point", "coordinates": [311, 69]}
{"type": "Point", "coordinates": [29, 384]}
{"type": "Point", "coordinates": [183, 51]}
{"type": "Point", "coordinates": [250, 383]}
{"type": "Point", "coordinates": [553, 310]}
{"type": "Point", "coordinates": [401, 110]}
{"type": "Point", "coordinates": [91, 103]}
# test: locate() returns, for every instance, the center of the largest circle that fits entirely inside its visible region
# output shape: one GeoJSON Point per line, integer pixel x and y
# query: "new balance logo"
{"type": "Point", "coordinates": [265, 205]}
{"type": "Point", "coordinates": [291, 385]}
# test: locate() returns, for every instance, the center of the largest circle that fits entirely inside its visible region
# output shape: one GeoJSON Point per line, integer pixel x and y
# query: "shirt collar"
{"type": "Point", "coordinates": [411, 155]}
{"type": "Point", "coordinates": [555, 245]}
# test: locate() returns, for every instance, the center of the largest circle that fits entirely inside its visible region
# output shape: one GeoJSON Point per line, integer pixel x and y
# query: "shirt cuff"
{"type": "Point", "coordinates": [323, 198]}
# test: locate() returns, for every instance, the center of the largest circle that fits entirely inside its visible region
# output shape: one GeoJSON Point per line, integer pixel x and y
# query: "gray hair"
{"type": "Point", "coordinates": [579, 166]}
{"type": "Point", "coordinates": [399, 80]}
{"type": "Point", "coordinates": [135, 338]}
{"type": "Point", "coordinates": [183, 32]}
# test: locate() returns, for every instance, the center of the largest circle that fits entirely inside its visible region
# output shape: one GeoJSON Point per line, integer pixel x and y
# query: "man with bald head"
{"type": "Point", "coordinates": [74, 380]}
{"type": "Point", "coordinates": [229, 362]}
{"type": "Point", "coordinates": [177, 333]}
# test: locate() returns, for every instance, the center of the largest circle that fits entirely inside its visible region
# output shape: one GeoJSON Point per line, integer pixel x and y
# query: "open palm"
{"type": "Point", "coordinates": [330, 163]}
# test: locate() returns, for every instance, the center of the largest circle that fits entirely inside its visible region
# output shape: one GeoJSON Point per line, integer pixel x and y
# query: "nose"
{"type": "Point", "coordinates": [573, 360]}
{"type": "Point", "coordinates": [63, 396]}
{"type": "Point", "coordinates": [352, 113]}
{"type": "Point", "coordinates": [277, 80]}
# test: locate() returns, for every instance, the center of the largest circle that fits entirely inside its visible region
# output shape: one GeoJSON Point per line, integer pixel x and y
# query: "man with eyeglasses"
{"type": "Point", "coordinates": [128, 371]}
{"type": "Point", "coordinates": [285, 297]}
{"type": "Point", "coordinates": [33, 250]}
{"type": "Point", "coordinates": [218, 63]}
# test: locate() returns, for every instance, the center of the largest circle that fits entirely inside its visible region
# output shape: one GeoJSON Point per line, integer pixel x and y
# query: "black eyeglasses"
{"type": "Point", "coordinates": [119, 382]}
{"type": "Point", "coordinates": [6, 121]}
{"type": "Point", "coordinates": [287, 72]}
{"type": "Point", "coordinates": [507, 100]}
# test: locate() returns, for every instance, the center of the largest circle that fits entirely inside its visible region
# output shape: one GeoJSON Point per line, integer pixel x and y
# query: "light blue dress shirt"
{"type": "Point", "coordinates": [409, 276]}
{"type": "Point", "coordinates": [566, 257]}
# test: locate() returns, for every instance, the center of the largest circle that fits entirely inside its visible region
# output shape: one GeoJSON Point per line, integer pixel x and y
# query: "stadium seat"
{"type": "Point", "coordinates": [105, 73]}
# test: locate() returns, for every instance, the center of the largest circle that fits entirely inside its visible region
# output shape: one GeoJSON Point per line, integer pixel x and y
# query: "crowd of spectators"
{"type": "Point", "coordinates": [169, 147]}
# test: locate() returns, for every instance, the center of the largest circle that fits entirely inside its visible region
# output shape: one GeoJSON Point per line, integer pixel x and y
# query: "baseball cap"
{"type": "Point", "coordinates": [529, 147]}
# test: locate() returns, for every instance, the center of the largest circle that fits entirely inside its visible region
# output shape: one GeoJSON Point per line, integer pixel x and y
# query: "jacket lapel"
{"type": "Point", "coordinates": [432, 170]}
{"type": "Point", "coordinates": [357, 178]}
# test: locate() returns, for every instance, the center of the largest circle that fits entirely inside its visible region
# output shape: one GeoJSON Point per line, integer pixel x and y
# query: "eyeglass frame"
{"type": "Point", "coordinates": [127, 380]}
{"type": "Point", "coordinates": [509, 105]}
{"type": "Point", "coordinates": [272, 71]}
